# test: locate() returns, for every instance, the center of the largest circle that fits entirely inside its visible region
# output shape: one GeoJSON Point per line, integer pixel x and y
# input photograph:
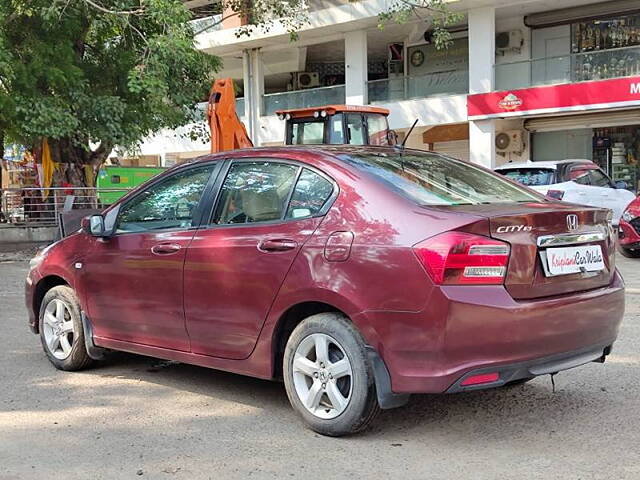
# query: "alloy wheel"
{"type": "Point", "coordinates": [57, 327]}
{"type": "Point", "coordinates": [322, 376]}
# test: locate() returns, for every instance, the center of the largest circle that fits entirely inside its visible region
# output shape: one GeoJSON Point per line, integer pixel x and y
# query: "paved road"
{"type": "Point", "coordinates": [138, 416]}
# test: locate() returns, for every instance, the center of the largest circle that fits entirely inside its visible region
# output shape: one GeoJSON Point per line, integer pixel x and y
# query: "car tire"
{"type": "Point", "coordinates": [61, 330]}
{"type": "Point", "coordinates": [628, 252]}
{"type": "Point", "coordinates": [335, 397]}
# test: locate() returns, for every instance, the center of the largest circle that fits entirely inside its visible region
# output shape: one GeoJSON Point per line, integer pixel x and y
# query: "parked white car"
{"type": "Point", "coordinates": [575, 181]}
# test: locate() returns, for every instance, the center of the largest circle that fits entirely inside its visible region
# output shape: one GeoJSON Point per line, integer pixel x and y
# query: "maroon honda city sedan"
{"type": "Point", "coordinates": [358, 276]}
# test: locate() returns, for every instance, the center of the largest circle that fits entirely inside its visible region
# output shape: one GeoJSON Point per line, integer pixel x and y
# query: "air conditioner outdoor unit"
{"type": "Point", "coordinates": [509, 41]}
{"type": "Point", "coordinates": [510, 141]}
{"type": "Point", "coordinates": [307, 79]}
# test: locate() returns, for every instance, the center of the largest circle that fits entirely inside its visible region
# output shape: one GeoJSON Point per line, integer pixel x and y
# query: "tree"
{"type": "Point", "coordinates": [294, 15]}
{"type": "Point", "coordinates": [89, 76]}
{"type": "Point", "coordinates": [436, 12]}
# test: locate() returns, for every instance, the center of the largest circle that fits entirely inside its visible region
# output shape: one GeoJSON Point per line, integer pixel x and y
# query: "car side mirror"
{"type": "Point", "coordinates": [95, 226]}
{"type": "Point", "coordinates": [621, 185]}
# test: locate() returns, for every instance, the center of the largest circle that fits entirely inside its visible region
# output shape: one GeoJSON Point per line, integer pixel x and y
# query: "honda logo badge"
{"type": "Point", "coordinates": [572, 222]}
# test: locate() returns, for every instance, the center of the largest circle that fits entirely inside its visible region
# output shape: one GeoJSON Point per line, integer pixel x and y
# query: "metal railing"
{"type": "Point", "coordinates": [575, 67]}
{"type": "Point", "coordinates": [42, 207]}
{"type": "Point", "coordinates": [310, 97]}
{"type": "Point", "coordinates": [451, 82]}
{"type": "Point", "coordinates": [207, 24]}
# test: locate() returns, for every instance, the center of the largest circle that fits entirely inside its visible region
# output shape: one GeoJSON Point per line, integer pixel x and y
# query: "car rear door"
{"type": "Point", "coordinates": [264, 213]}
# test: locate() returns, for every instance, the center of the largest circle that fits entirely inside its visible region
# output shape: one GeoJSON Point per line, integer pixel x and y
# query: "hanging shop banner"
{"type": "Point", "coordinates": [569, 97]}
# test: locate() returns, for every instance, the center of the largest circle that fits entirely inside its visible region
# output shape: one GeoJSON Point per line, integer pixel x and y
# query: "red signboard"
{"type": "Point", "coordinates": [617, 92]}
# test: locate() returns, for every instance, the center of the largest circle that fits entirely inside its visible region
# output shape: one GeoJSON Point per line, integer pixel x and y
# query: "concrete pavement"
{"type": "Point", "coordinates": [139, 417]}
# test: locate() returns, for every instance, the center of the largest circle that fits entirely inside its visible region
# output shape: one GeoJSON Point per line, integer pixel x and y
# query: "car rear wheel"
{"type": "Point", "coordinates": [327, 375]}
{"type": "Point", "coordinates": [628, 252]}
{"type": "Point", "coordinates": [61, 331]}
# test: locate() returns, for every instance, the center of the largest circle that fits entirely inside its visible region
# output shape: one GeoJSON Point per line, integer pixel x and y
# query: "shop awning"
{"type": "Point", "coordinates": [588, 120]}
{"type": "Point", "coordinates": [584, 13]}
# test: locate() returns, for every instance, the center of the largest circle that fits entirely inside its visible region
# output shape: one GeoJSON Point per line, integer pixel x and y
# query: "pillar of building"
{"type": "Point", "coordinates": [482, 34]}
{"type": "Point", "coordinates": [482, 145]}
{"type": "Point", "coordinates": [253, 81]}
{"type": "Point", "coordinates": [355, 67]}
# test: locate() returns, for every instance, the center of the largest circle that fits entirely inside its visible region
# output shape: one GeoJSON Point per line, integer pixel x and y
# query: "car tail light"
{"type": "Point", "coordinates": [556, 194]}
{"type": "Point", "coordinates": [479, 379]}
{"type": "Point", "coordinates": [459, 258]}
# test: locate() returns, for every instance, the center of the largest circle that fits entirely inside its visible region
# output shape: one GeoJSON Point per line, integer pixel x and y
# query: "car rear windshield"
{"type": "Point", "coordinates": [531, 177]}
{"type": "Point", "coordinates": [432, 179]}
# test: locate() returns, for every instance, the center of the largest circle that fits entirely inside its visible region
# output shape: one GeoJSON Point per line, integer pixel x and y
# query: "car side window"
{"type": "Point", "coordinates": [599, 179]}
{"type": "Point", "coordinates": [255, 192]}
{"type": "Point", "coordinates": [311, 194]}
{"type": "Point", "coordinates": [169, 204]}
{"type": "Point", "coordinates": [580, 175]}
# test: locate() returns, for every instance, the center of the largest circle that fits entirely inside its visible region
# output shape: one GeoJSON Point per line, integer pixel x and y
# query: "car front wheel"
{"type": "Point", "coordinates": [328, 377]}
{"type": "Point", "coordinates": [61, 331]}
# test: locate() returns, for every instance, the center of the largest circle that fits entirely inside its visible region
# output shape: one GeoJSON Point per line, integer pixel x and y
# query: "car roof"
{"type": "Point", "coordinates": [543, 164]}
{"type": "Point", "coordinates": [309, 151]}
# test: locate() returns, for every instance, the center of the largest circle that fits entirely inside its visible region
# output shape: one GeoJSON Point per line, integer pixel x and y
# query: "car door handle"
{"type": "Point", "coordinates": [165, 248]}
{"type": "Point", "coordinates": [276, 245]}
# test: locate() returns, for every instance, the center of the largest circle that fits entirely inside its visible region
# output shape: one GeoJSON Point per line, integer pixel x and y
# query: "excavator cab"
{"type": "Point", "coordinates": [337, 125]}
{"type": "Point", "coordinates": [331, 124]}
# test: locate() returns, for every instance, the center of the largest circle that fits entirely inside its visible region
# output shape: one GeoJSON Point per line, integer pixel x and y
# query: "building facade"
{"type": "Point", "coordinates": [522, 80]}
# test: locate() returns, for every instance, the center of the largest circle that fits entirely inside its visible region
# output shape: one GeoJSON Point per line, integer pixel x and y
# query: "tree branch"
{"type": "Point", "coordinates": [97, 6]}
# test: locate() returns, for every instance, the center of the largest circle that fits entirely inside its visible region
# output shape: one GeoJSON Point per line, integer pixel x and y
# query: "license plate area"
{"type": "Point", "coordinates": [571, 260]}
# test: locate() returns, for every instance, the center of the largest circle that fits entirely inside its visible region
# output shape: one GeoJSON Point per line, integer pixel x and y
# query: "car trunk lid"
{"type": "Point", "coordinates": [537, 229]}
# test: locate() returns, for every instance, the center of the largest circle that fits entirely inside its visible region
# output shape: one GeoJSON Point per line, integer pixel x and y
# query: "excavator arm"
{"type": "Point", "coordinates": [227, 131]}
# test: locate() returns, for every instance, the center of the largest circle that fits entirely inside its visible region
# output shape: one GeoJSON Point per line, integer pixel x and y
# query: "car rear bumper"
{"type": "Point", "coordinates": [472, 328]}
{"type": "Point", "coordinates": [533, 368]}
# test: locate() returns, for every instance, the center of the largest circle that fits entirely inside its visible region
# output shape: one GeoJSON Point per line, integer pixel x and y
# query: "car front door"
{"type": "Point", "coordinates": [580, 189]}
{"type": "Point", "coordinates": [265, 212]}
{"type": "Point", "coordinates": [134, 279]}
{"type": "Point", "coordinates": [616, 199]}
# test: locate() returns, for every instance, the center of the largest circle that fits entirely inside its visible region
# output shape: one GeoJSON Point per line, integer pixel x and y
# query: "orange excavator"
{"type": "Point", "coordinates": [331, 124]}
{"type": "Point", "coordinates": [227, 131]}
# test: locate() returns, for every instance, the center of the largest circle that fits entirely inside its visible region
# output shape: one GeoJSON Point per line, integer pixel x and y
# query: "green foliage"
{"type": "Point", "coordinates": [263, 15]}
{"type": "Point", "coordinates": [98, 71]}
{"type": "Point", "coordinates": [436, 11]}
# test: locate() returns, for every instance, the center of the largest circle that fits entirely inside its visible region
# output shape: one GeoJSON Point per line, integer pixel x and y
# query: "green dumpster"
{"type": "Point", "coordinates": [113, 181]}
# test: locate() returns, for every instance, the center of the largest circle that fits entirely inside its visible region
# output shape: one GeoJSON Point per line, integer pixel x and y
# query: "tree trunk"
{"type": "Point", "coordinates": [73, 160]}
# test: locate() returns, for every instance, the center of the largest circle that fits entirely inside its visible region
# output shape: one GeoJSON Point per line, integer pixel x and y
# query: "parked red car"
{"type": "Point", "coordinates": [629, 230]}
{"type": "Point", "coordinates": [356, 275]}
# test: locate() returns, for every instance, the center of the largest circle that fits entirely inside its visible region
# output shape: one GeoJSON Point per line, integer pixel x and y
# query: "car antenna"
{"type": "Point", "coordinates": [404, 140]}
{"type": "Point", "coordinates": [400, 147]}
